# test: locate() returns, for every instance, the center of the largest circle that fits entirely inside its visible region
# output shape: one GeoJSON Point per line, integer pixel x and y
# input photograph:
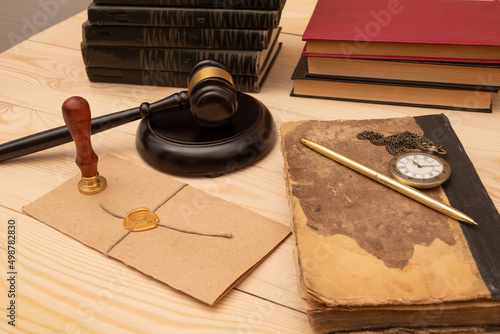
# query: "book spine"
{"type": "Point", "coordinates": [178, 60]}
{"type": "Point", "coordinates": [176, 37]}
{"type": "Point", "coordinates": [261, 4]}
{"type": "Point", "coordinates": [242, 83]}
{"type": "Point", "coordinates": [184, 17]}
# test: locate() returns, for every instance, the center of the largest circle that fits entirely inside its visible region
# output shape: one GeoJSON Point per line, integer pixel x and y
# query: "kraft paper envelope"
{"type": "Point", "coordinates": [204, 267]}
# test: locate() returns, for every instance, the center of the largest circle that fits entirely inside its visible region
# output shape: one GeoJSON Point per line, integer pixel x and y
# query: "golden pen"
{"type": "Point", "coordinates": [389, 182]}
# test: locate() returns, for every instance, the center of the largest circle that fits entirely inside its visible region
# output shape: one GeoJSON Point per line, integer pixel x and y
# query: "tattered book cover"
{"type": "Point", "coordinates": [369, 257]}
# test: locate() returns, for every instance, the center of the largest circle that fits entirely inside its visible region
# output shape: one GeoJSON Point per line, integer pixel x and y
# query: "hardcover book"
{"type": "Point", "coordinates": [177, 37]}
{"type": "Point", "coordinates": [263, 4]}
{"type": "Point", "coordinates": [371, 259]}
{"type": "Point", "coordinates": [245, 62]}
{"type": "Point", "coordinates": [184, 17]}
{"type": "Point", "coordinates": [243, 83]}
{"type": "Point", "coordinates": [406, 93]}
{"type": "Point", "coordinates": [441, 73]}
{"type": "Point", "coordinates": [378, 29]}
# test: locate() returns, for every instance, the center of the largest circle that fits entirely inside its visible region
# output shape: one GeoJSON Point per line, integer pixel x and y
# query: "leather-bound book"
{"type": "Point", "coordinates": [184, 17]}
{"type": "Point", "coordinates": [236, 4]}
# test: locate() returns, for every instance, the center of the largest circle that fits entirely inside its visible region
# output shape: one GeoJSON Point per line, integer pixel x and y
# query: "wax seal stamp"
{"type": "Point", "coordinates": [141, 219]}
{"type": "Point", "coordinates": [76, 113]}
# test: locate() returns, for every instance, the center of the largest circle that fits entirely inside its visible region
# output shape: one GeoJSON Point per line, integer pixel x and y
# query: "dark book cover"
{"type": "Point", "coordinates": [236, 4]}
{"type": "Point", "coordinates": [177, 37]}
{"type": "Point", "coordinates": [243, 83]}
{"type": "Point", "coordinates": [184, 17]}
{"type": "Point", "coordinates": [246, 62]}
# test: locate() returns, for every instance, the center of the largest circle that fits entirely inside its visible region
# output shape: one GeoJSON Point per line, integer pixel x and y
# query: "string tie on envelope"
{"type": "Point", "coordinates": [144, 219]}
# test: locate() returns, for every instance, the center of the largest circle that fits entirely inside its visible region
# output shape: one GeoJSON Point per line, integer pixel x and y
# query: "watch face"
{"type": "Point", "coordinates": [420, 170]}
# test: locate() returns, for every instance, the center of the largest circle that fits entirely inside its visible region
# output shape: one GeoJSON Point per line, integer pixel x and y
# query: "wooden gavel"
{"type": "Point", "coordinates": [211, 97]}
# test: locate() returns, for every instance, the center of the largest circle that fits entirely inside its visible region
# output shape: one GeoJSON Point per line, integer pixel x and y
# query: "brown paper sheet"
{"type": "Point", "coordinates": [204, 267]}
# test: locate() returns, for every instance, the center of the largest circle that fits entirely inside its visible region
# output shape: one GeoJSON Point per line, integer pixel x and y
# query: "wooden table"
{"type": "Point", "coordinates": [65, 287]}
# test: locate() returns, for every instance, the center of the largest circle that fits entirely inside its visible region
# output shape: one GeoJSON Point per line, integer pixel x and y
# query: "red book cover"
{"type": "Point", "coordinates": [466, 28]}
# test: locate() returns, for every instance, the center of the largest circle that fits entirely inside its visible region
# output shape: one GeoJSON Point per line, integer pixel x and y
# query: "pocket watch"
{"type": "Point", "coordinates": [419, 169]}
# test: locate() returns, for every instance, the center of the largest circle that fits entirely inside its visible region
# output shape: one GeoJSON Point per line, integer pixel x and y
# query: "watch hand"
{"type": "Point", "coordinates": [421, 166]}
{"type": "Point", "coordinates": [416, 163]}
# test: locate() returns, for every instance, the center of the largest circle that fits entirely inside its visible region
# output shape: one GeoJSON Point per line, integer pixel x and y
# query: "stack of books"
{"type": "Point", "coordinates": [157, 42]}
{"type": "Point", "coordinates": [439, 54]}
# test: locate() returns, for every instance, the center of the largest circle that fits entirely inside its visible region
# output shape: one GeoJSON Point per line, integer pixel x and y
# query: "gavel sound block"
{"type": "Point", "coordinates": [218, 131]}
{"type": "Point", "coordinates": [76, 114]}
{"type": "Point", "coordinates": [174, 143]}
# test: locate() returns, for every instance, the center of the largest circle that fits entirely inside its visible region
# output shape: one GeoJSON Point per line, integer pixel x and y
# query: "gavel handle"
{"type": "Point", "coordinates": [58, 136]}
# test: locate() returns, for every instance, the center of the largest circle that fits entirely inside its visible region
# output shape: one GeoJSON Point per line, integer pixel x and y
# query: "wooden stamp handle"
{"type": "Point", "coordinates": [76, 113]}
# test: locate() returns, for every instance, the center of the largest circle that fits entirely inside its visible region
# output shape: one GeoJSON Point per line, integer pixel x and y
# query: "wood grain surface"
{"type": "Point", "coordinates": [65, 287]}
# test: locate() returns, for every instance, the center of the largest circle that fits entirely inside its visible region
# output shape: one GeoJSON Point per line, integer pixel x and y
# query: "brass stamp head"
{"type": "Point", "coordinates": [92, 185]}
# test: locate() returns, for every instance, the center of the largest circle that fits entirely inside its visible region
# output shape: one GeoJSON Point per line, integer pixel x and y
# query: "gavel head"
{"type": "Point", "coordinates": [211, 94]}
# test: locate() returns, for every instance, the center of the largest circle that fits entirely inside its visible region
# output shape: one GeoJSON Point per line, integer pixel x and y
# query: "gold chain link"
{"type": "Point", "coordinates": [402, 142]}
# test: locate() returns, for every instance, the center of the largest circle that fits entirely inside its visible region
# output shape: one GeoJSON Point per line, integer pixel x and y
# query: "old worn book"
{"type": "Point", "coordinates": [371, 259]}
